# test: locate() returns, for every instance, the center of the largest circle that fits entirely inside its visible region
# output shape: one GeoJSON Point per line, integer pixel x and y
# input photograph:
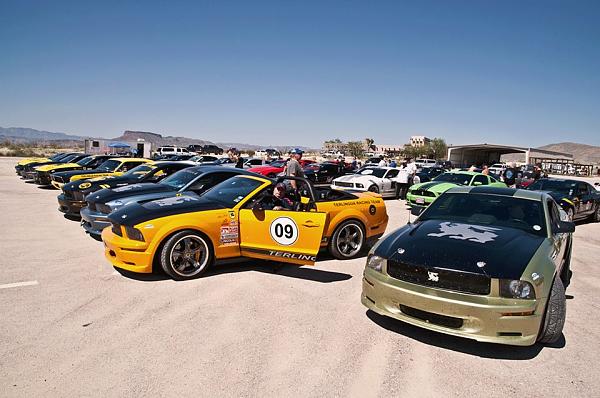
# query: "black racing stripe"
{"type": "Point", "coordinates": [135, 213]}
{"type": "Point", "coordinates": [428, 185]}
{"type": "Point", "coordinates": [494, 190]}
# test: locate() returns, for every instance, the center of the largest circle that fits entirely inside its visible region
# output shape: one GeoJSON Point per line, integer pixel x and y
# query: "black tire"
{"type": "Point", "coordinates": [596, 215]}
{"type": "Point", "coordinates": [374, 188]}
{"type": "Point", "coordinates": [556, 311]}
{"type": "Point", "coordinates": [345, 250]}
{"type": "Point", "coordinates": [186, 255]}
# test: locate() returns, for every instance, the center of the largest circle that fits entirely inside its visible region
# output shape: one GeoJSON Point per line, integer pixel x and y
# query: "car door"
{"type": "Point", "coordinates": [286, 236]}
{"type": "Point", "coordinates": [389, 181]}
{"type": "Point", "coordinates": [558, 239]}
{"type": "Point", "coordinates": [585, 202]}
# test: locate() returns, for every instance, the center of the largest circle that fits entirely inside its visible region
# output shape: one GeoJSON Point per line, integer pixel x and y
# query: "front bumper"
{"type": "Point", "coordinates": [416, 200]}
{"type": "Point", "coordinates": [481, 318]}
{"type": "Point", "coordinates": [94, 222]}
{"type": "Point", "coordinates": [56, 184]}
{"type": "Point", "coordinates": [125, 253]}
{"type": "Point", "coordinates": [70, 207]}
{"type": "Point", "coordinates": [42, 178]}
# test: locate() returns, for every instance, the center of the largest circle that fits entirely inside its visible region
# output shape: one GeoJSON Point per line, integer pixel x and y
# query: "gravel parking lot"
{"type": "Point", "coordinates": [76, 327]}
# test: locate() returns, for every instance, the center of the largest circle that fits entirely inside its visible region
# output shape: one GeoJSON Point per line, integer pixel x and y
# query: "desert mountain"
{"type": "Point", "coordinates": [583, 153]}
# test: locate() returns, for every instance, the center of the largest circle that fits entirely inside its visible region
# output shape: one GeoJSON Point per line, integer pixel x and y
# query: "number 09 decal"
{"type": "Point", "coordinates": [284, 231]}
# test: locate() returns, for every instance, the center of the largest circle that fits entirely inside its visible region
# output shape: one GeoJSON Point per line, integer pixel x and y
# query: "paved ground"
{"type": "Point", "coordinates": [247, 330]}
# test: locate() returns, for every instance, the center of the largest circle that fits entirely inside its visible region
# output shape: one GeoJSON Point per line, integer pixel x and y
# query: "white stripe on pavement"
{"type": "Point", "coordinates": [18, 284]}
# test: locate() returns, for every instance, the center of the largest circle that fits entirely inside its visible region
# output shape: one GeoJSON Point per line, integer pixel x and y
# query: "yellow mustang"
{"type": "Point", "coordinates": [111, 167]}
{"type": "Point", "coordinates": [183, 235]}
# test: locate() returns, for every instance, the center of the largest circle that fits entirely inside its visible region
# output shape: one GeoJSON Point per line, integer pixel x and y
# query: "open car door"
{"type": "Point", "coordinates": [285, 236]}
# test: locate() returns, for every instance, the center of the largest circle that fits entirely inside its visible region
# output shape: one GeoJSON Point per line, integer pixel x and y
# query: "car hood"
{"type": "Point", "coordinates": [71, 173]}
{"type": "Point", "coordinates": [356, 178]}
{"type": "Point", "coordinates": [497, 252]}
{"type": "Point", "coordinates": [135, 213]}
{"type": "Point", "coordinates": [434, 186]}
{"type": "Point", "coordinates": [93, 184]}
{"type": "Point", "coordinates": [57, 166]}
{"type": "Point", "coordinates": [106, 195]}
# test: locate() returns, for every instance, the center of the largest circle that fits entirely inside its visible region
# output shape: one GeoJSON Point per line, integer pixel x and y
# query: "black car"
{"type": "Point", "coordinates": [72, 198]}
{"type": "Point", "coordinates": [54, 158]}
{"type": "Point", "coordinates": [427, 174]}
{"type": "Point", "coordinates": [578, 198]}
{"type": "Point", "coordinates": [112, 165]}
{"type": "Point", "coordinates": [28, 171]}
{"type": "Point", "coordinates": [191, 181]}
{"type": "Point", "coordinates": [324, 173]}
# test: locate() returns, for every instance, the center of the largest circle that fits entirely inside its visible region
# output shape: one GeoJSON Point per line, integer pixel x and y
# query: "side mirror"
{"type": "Point", "coordinates": [565, 227]}
{"type": "Point", "coordinates": [416, 210]}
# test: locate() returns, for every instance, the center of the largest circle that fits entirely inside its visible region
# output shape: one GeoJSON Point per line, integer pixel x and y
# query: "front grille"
{"type": "Point", "coordinates": [102, 208]}
{"type": "Point", "coordinates": [116, 228]}
{"type": "Point", "coordinates": [68, 195]}
{"type": "Point", "coordinates": [91, 206]}
{"type": "Point", "coordinates": [344, 184]}
{"type": "Point", "coordinates": [422, 192]}
{"type": "Point", "coordinates": [442, 320]}
{"type": "Point", "coordinates": [447, 279]}
{"type": "Point", "coordinates": [78, 195]}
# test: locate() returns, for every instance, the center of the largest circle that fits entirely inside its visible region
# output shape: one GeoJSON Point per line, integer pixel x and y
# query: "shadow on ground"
{"type": "Point", "coordinates": [459, 344]}
{"type": "Point", "coordinates": [284, 270]}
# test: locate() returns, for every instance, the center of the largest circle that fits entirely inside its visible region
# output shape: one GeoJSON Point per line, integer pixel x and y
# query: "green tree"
{"type": "Point", "coordinates": [438, 148]}
{"type": "Point", "coordinates": [355, 148]}
{"type": "Point", "coordinates": [412, 152]}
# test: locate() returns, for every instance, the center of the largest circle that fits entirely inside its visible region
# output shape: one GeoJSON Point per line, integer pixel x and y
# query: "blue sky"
{"type": "Point", "coordinates": [297, 73]}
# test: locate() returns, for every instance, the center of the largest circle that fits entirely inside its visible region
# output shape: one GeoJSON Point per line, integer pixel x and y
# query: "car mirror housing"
{"type": "Point", "coordinates": [565, 227]}
{"type": "Point", "coordinates": [257, 206]}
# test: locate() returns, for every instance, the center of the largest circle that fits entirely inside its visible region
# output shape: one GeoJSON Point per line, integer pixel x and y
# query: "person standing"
{"type": "Point", "coordinates": [382, 162]}
{"type": "Point", "coordinates": [411, 169]}
{"type": "Point", "coordinates": [402, 183]}
{"type": "Point", "coordinates": [510, 175]}
{"type": "Point", "coordinates": [537, 172]}
{"type": "Point", "coordinates": [293, 168]}
{"type": "Point", "coordinates": [486, 170]}
{"type": "Point", "coordinates": [393, 163]}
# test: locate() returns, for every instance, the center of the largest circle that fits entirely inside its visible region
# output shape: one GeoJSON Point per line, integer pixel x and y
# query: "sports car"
{"type": "Point", "coordinates": [274, 168]}
{"type": "Point", "coordinates": [424, 193]}
{"type": "Point", "coordinates": [43, 174]}
{"type": "Point", "coordinates": [579, 199]}
{"type": "Point", "coordinates": [183, 235]}
{"type": "Point", "coordinates": [23, 162]}
{"type": "Point", "coordinates": [489, 264]}
{"type": "Point", "coordinates": [192, 181]}
{"type": "Point", "coordinates": [381, 180]}
{"type": "Point", "coordinates": [27, 172]}
{"type": "Point", "coordinates": [71, 200]}
{"type": "Point", "coordinates": [324, 173]}
{"type": "Point", "coordinates": [111, 167]}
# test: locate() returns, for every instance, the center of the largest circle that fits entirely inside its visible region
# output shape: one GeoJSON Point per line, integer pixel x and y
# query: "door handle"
{"type": "Point", "coordinates": [310, 224]}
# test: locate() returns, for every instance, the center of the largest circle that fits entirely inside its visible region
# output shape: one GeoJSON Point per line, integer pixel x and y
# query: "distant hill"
{"type": "Point", "coordinates": [24, 134]}
{"type": "Point", "coordinates": [21, 134]}
{"type": "Point", "coordinates": [582, 153]}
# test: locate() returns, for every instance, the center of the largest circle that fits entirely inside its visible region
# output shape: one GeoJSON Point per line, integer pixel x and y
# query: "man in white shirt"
{"type": "Point", "coordinates": [411, 169]}
{"type": "Point", "coordinates": [382, 162]}
{"type": "Point", "coordinates": [402, 183]}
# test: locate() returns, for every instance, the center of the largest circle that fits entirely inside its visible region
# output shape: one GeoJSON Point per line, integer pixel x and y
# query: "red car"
{"type": "Point", "coordinates": [271, 170]}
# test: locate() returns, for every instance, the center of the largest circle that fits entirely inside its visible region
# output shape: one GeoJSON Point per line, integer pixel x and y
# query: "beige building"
{"type": "Point", "coordinates": [419, 140]}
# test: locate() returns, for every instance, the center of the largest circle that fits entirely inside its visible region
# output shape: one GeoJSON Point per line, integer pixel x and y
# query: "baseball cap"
{"type": "Point", "coordinates": [297, 150]}
{"type": "Point", "coordinates": [280, 186]}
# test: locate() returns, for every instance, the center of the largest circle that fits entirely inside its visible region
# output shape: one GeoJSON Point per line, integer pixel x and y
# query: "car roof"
{"type": "Point", "coordinates": [500, 191]}
{"type": "Point", "coordinates": [570, 181]}
{"type": "Point", "coordinates": [131, 159]}
{"type": "Point", "coordinates": [173, 162]}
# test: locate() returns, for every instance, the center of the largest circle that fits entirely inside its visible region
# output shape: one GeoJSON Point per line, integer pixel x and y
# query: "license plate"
{"type": "Point", "coordinates": [420, 201]}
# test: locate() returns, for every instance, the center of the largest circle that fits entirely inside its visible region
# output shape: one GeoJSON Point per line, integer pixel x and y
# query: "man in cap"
{"type": "Point", "coordinates": [293, 167]}
{"type": "Point", "coordinates": [279, 200]}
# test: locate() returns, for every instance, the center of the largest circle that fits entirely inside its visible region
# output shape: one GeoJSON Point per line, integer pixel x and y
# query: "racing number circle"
{"type": "Point", "coordinates": [284, 231]}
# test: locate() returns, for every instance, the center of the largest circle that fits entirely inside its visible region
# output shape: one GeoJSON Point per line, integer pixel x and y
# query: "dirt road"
{"type": "Point", "coordinates": [75, 327]}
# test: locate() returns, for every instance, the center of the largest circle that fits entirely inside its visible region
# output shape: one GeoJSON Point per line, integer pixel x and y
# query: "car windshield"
{"type": "Point", "coordinates": [57, 157]}
{"type": "Point", "coordinates": [277, 163]}
{"type": "Point", "coordinates": [140, 171]}
{"type": "Point", "coordinates": [562, 186]}
{"type": "Point", "coordinates": [454, 178]}
{"type": "Point", "coordinates": [85, 161]}
{"type": "Point", "coordinates": [182, 177]}
{"type": "Point", "coordinates": [489, 210]}
{"type": "Point", "coordinates": [232, 191]}
{"type": "Point", "coordinates": [372, 171]}
{"type": "Point", "coordinates": [109, 165]}
{"type": "Point", "coordinates": [67, 159]}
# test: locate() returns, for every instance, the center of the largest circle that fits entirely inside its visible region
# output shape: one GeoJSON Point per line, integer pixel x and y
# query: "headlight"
{"type": "Point", "coordinates": [134, 233]}
{"type": "Point", "coordinates": [114, 204]}
{"type": "Point", "coordinates": [375, 263]}
{"type": "Point", "coordinates": [516, 289]}
{"type": "Point", "coordinates": [358, 185]}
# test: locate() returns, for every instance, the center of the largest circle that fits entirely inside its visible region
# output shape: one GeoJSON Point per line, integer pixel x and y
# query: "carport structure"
{"type": "Point", "coordinates": [478, 154]}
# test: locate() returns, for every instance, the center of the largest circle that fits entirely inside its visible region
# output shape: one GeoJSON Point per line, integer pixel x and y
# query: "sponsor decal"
{"type": "Point", "coordinates": [294, 256]}
{"type": "Point", "coordinates": [355, 202]}
{"type": "Point", "coordinates": [229, 233]}
{"type": "Point", "coordinates": [127, 188]}
{"type": "Point", "coordinates": [85, 185]}
{"type": "Point", "coordinates": [104, 186]}
{"type": "Point", "coordinates": [471, 233]}
{"type": "Point", "coordinates": [284, 231]}
{"type": "Point", "coordinates": [174, 201]}
{"type": "Point", "coordinates": [433, 276]}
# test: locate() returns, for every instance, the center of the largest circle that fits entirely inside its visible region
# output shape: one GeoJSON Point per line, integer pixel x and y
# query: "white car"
{"type": "Point", "coordinates": [381, 180]}
{"type": "Point", "coordinates": [498, 168]}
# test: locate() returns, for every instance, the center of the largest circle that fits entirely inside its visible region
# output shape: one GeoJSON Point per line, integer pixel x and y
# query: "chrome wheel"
{"type": "Point", "coordinates": [189, 255]}
{"type": "Point", "coordinates": [350, 240]}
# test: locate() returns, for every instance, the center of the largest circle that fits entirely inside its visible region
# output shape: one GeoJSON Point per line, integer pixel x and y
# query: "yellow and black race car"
{"type": "Point", "coordinates": [111, 167]}
{"type": "Point", "coordinates": [183, 235]}
{"type": "Point", "coordinates": [43, 174]}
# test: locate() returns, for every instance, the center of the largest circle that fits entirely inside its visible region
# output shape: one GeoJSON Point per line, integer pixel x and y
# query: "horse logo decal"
{"type": "Point", "coordinates": [472, 233]}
